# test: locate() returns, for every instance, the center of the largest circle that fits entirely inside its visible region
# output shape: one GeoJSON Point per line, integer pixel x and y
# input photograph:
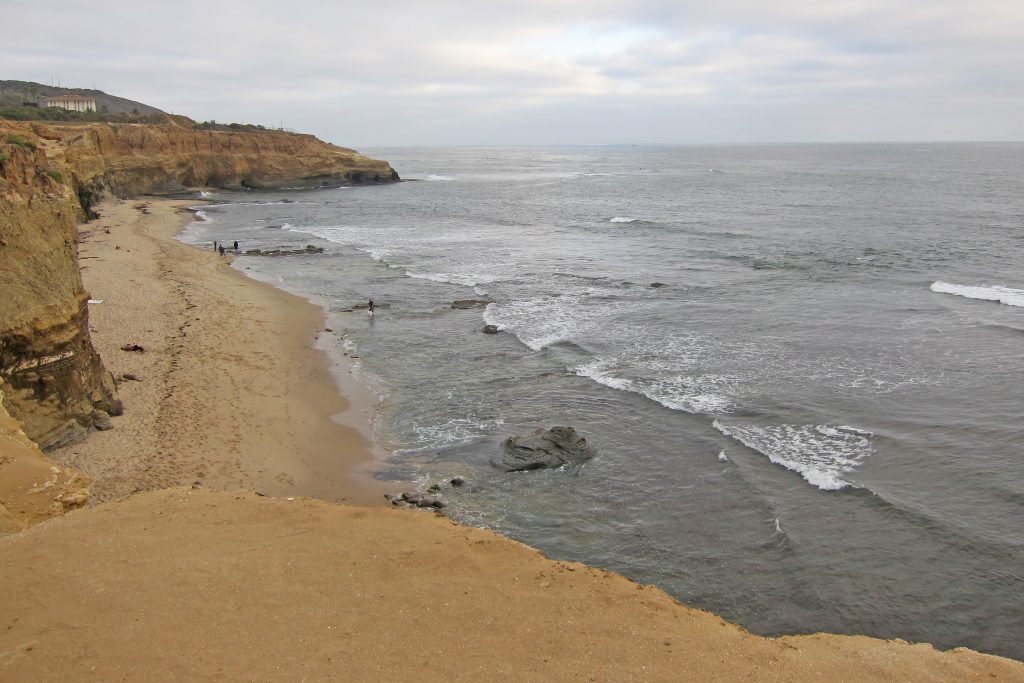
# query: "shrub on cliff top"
{"type": "Point", "coordinates": [20, 141]}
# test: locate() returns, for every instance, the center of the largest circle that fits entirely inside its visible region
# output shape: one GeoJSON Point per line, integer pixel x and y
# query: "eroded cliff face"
{"type": "Point", "coordinates": [130, 159]}
{"type": "Point", "coordinates": [51, 378]}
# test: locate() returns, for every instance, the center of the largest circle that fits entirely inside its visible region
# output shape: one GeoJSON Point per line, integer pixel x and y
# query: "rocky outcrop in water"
{"type": "Point", "coordinates": [51, 378]}
{"type": "Point", "coordinates": [308, 249]}
{"type": "Point", "coordinates": [544, 448]}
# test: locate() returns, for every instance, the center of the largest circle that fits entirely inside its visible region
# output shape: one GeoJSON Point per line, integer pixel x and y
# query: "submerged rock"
{"type": "Point", "coordinates": [489, 329]}
{"type": "Point", "coordinates": [469, 303]}
{"type": "Point", "coordinates": [544, 448]}
{"type": "Point", "coordinates": [308, 249]}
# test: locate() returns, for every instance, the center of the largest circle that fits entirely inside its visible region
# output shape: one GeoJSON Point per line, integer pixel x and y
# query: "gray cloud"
{"type": "Point", "coordinates": [557, 71]}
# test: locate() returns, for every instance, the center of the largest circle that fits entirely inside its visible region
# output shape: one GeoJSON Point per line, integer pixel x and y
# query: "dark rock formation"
{"type": "Point", "coordinates": [464, 304]}
{"type": "Point", "coordinates": [489, 329]}
{"type": "Point", "coordinates": [308, 249]}
{"type": "Point", "coordinates": [417, 500]}
{"type": "Point", "coordinates": [544, 448]}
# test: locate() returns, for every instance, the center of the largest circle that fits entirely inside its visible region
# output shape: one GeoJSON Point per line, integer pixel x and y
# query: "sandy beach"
{"type": "Point", "coordinates": [228, 390]}
{"type": "Point", "coordinates": [199, 577]}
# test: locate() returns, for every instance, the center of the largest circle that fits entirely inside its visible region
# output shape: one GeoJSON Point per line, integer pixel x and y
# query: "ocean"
{"type": "Point", "coordinates": [800, 364]}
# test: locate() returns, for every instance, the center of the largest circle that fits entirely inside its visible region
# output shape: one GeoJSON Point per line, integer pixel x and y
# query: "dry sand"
{"type": "Point", "coordinates": [232, 394]}
{"type": "Point", "coordinates": [195, 584]}
{"type": "Point", "coordinates": [186, 585]}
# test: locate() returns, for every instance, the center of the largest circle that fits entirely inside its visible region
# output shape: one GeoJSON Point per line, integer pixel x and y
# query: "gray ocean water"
{"type": "Point", "coordinates": [814, 425]}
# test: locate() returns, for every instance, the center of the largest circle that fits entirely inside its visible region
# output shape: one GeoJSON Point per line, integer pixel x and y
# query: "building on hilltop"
{"type": "Point", "coordinates": [71, 102]}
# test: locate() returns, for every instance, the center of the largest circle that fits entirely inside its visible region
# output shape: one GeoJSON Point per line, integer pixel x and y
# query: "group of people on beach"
{"type": "Point", "coordinates": [219, 247]}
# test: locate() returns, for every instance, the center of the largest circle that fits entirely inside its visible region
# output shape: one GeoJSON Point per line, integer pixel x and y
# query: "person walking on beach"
{"type": "Point", "coordinates": [221, 250]}
{"type": "Point", "coordinates": [236, 246]}
{"type": "Point", "coordinates": [215, 245]}
{"type": "Point", "coordinates": [369, 308]}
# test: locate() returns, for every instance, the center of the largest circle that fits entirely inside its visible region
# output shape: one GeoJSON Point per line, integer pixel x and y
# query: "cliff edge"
{"type": "Point", "coordinates": [51, 378]}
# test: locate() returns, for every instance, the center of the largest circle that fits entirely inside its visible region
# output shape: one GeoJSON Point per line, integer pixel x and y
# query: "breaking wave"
{"type": "Point", "coordinates": [821, 454]}
{"type": "Point", "coordinates": [1003, 295]}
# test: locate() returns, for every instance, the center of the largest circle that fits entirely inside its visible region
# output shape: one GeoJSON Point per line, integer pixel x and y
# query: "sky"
{"type": "Point", "coordinates": [502, 72]}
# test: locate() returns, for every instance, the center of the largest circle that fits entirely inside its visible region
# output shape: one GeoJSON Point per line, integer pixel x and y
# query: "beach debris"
{"type": "Point", "coordinates": [658, 285]}
{"type": "Point", "coordinates": [130, 377]}
{"type": "Point", "coordinates": [552, 448]}
{"type": "Point", "coordinates": [463, 304]}
{"type": "Point", "coordinates": [133, 347]}
{"type": "Point", "coordinates": [489, 329]}
{"type": "Point", "coordinates": [95, 301]}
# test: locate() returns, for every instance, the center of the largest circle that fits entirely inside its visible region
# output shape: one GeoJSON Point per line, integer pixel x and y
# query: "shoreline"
{"type": "Point", "coordinates": [277, 586]}
{"type": "Point", "coordinates": [231, 391]}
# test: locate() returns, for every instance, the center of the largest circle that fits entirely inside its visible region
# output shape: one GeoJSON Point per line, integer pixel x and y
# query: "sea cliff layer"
{"type": "Point", "coordinates": [131, 158]}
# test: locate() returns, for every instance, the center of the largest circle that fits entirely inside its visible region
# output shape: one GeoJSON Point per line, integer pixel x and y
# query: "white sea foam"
{"type": "Point", "coordinates": [623, 219]}
{"type": "Point", "coordinates": [540, 322]}
{"type": "Point", "coordinates": [452, 433]}
{"type": "Point", "coordinates": [1004, 295]}
{"type": "Point", "coordinates": [598, 371]}
{"type": "Point", "coordinates": [722, 457]}
{"type": "Point", "coordinates": [466, 279]}
{"type": "Point", "coordinates": [685, 394]}
{"type": "Point", "coordinates": [203, 216]}
{"type": "Point", "coordinates": [204, 194]}
{"type": "Point", "coordinates": [821, 454]}
{"type": "Point", "coordinates": [435, 177]}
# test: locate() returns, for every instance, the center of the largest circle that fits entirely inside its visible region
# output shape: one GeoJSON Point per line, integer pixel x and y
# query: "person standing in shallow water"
{"type": "Point", "coordinates": [236, 246]}
{"type": "Point", "coordinates": [369, 308]}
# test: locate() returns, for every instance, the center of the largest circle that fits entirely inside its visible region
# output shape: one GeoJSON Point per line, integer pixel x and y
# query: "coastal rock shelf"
{"type": "Point", "coordinates": [308, 249]}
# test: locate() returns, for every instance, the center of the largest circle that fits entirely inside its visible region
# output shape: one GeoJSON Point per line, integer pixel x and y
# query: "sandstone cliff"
{"type": "Point", "coordinates": [52, 379]}
{"type": "Point", "coordinates": [131, 158]}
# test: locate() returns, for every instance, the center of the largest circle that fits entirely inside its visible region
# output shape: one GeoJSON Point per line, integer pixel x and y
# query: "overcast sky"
{"type": "Point", "coordinates": [436, 72]}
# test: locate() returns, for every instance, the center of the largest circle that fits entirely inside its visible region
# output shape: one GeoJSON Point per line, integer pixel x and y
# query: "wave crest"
{"type": "Point", "coordinates": [1003, 295]}
{"type": "Point", "coordinates": [821, 454]}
